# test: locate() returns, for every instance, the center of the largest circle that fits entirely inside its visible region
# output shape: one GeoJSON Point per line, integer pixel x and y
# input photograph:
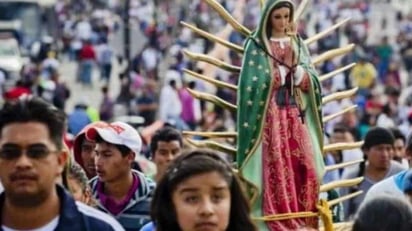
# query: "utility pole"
{"type": "Point", "coordinates": [126, 22]}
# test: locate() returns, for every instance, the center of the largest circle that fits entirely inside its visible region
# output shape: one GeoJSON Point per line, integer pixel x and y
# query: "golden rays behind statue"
{"type": "Point", "coordinates": [279, 132]}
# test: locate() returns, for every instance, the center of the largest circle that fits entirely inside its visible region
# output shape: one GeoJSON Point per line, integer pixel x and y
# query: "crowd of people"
{"type": "Point", "coordinates": [192, 189]}
{"type": "Point", "coordinates": [42, 180]}
{"type": "Point", "coordinates": [382, 66]}
{"type": "Point", "coordinates": [154, 86]}
{"type": "Point", "coordinates": [105, 163]}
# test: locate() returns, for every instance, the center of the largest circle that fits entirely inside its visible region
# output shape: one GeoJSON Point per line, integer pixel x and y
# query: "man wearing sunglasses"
{"type": "Point", "coordinates": [31, 158]}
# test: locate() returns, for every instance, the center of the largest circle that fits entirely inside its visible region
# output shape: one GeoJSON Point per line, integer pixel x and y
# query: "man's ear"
{"type": "Point", "coordinates": [62, 159]}
{"type": "Point", "coordinates": [131, 157]}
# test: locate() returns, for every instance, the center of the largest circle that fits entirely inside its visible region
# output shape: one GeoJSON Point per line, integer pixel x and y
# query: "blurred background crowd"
{"type": "Point", "coordinates": [122, 60]}
{"type": "Point", "coordinates": [98, 61]}
{"type": "Point", "coordinates": [83, 53]}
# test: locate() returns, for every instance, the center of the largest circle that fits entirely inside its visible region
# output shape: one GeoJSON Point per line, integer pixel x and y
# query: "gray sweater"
{"type": "Point", "coordinates": [351, 206]}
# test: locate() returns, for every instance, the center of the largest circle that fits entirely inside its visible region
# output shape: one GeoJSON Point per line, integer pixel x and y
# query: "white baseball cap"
{"type": "Point", "coordinates": [116, 133]}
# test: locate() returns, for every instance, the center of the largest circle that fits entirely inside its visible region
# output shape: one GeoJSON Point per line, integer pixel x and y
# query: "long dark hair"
{"type": "Point", "coordinates": [188, 165]}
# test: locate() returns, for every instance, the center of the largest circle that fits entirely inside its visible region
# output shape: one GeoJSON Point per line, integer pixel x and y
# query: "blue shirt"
{"type": "Point", "coordinates": [333, 175]}
{"type": "Point", "coordinates": [402, 180]}
{"type": "Point", "coordinates": [148, 227]}
{"type": "Point", "coordinates": [77, 120]}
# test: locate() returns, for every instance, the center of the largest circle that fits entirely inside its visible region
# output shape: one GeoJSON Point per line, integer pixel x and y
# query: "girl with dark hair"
{"type": "Point", "coordinates": [200, 191]}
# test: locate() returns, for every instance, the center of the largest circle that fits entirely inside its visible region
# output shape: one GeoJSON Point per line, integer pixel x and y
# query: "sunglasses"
{"type": "Point", "coordinates": [11, 153]}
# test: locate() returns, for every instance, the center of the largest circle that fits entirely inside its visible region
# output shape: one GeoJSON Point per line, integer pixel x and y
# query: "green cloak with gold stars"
{"type": "Point", "coordinates": [255, 85]}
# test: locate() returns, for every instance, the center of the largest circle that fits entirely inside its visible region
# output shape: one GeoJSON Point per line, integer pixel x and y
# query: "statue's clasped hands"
{"type": "Point", "coordinates": [291, 68]}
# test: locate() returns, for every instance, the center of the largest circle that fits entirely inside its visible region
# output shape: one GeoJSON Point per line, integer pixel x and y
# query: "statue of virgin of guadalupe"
{"type": "Point", "coordinates": [280, 135]}
{"type": "Point", "coordinates": [279, 132]}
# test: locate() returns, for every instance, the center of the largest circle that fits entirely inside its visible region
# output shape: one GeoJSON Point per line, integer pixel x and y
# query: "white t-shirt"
{"type": "Point", "coordinates": [48, 227]}
{"type": "Point", "coordinates": [170, 104]}
{"type": "Point", "coordinates": [84, 30]}
{"type": "Point", "coordinates": [150, 58]}
{"type": "Point", "coordinates": [51, 63]}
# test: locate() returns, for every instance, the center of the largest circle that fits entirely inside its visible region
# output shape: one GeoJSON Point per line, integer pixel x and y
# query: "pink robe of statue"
{"type": "Point", "coordinates": [290, 180]}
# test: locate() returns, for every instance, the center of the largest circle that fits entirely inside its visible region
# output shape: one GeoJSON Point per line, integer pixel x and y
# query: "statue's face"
{"type": "Point", "coordinates": [280, 19]}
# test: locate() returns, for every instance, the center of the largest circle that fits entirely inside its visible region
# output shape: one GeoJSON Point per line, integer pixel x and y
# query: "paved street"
{"type": "Point", "coordinates": [80, 93]}
{"type": "Point", "coordinates": [93, 95]}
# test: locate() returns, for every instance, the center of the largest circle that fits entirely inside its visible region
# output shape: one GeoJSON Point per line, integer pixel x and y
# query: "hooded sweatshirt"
{"type": "Point", "coordinates": [137, 211]}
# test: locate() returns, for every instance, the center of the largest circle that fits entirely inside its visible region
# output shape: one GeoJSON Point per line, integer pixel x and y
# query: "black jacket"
{"type": "Point", "coordinates": [75, 216]}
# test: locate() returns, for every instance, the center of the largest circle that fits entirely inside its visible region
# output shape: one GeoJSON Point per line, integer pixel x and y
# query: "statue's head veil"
{"type": "Point", "coordinates": [263, 29]}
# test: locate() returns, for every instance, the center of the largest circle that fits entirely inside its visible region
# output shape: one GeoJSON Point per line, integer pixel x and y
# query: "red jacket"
{"type": "Point", "coordinates": [87, 53]}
